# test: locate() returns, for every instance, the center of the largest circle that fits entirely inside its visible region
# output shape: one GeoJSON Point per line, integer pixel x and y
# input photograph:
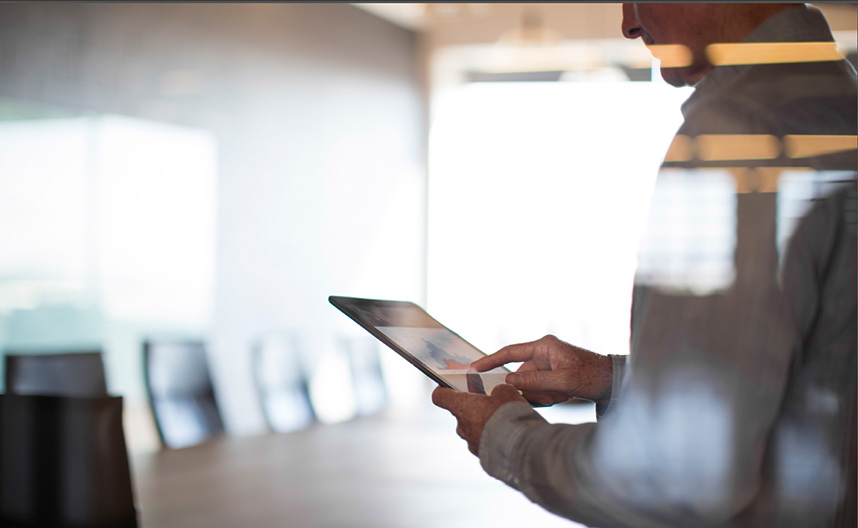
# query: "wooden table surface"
{"type": "Point", "coordinates": [374, 472]}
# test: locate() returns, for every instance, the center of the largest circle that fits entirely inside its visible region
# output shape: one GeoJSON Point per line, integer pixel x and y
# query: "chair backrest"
{"type": "Point", "coordinates": [282, 384]}
{"type": "Point", "coordinates": [59, 374]}
{"type": "Point", "coordinates": [64, 463]}
{"type": "Point", "coordinates": [367, 377]}
{"type": "Point", "coordinates": [181, 393]}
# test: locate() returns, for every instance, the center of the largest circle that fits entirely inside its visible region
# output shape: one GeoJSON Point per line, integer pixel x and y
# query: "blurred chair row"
{"type": "Point", "coordinates": [180, 388]}
{"type": "Point", "coordinates": [64, 460]}
{"type": "Point", "coordinates": [185, 406]}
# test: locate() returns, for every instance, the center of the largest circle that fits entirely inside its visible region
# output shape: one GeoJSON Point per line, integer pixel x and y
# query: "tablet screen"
{"type": "Point", "coordinates": [436, 350]}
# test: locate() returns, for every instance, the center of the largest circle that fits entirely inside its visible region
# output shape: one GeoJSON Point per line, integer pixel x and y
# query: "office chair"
{"type": "Point", "coordinates": [59, 374]}
{"type": "Point", "coordinates": [282, 384]}
{"type": "Point", "coordinates": [64, 463]}
{"type": "Point", "coordinates": [181, 394]}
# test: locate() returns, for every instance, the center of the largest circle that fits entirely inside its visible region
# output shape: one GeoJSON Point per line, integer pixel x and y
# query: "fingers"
{"type": "Point", "coordinates": [507, 354]}
{"type": "Point", "coordinates": [541, 380]}
{"type": "Point", "coordinates": [458, 402]}
{"type": "Point", "coordinates": [546, 398]}
{"type": "Point", "coordinates": [506, 392]}
{"type": "Point", "coordinates": [444, 397]}
{"type": "Point", "coordinates": [454, 401]}
{"type": "Point", "coordinates": [530, 365]}
{"type": "Point", "coordinates": [538, 351]}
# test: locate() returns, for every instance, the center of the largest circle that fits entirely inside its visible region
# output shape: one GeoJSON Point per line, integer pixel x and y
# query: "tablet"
{"type": "Point", "coordinates": [430, 346]}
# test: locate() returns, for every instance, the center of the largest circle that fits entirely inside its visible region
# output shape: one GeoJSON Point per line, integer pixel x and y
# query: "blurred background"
{"type": "Point", "coordinates": [212, 172]}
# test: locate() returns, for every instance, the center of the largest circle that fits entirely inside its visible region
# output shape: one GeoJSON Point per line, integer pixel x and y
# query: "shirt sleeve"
{"type": "Point", "coordinates": [684, 446]}
{"type": "Point", "coordinates": [618, 370]}
{"type": "Point", "coordinates": [511, 438]}
{"type": "Point", "coordinates": [551, 465]}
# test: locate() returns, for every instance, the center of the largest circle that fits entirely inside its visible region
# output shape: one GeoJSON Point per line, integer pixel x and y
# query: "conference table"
{"type": "Point", "coordinates": [387, 470]}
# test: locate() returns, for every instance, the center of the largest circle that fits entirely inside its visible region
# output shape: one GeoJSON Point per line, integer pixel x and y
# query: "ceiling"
{"type": "Point", "coordinates": [542, 36]}
{"type": "Point", "coordinates": [410, 16]}
{"type": "Point", "coordinates": [430, 16]}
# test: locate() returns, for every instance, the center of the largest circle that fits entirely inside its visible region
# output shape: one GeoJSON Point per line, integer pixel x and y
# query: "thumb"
{"type": "Point", "coordinates": [505, 391]}
{"type": "Point", "coordinates": [540, 380]}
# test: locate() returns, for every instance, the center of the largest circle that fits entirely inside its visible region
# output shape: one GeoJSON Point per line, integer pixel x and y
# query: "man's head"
{"type": "Point", "coordinates": [694, 26]}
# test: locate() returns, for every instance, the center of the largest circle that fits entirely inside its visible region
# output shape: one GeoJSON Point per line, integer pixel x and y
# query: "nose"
{"type": "Point", "coordinates": [631, 26]}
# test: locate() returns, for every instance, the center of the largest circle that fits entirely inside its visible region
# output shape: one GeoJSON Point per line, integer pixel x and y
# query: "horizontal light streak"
{"type": "Point", "coordinates": [671, 55]}
{"type": "Point", "coordinates": [731, 54]}
{"type": "Point", "coordinates": [680, 149]}
{"type": "Point", "coordinates": [738, 147]}
{"type": "Point", "coordinates": [721, 147]}
{"type": "Point", "coordinates": [771, 53]}
{"type": "Point", "coordinates": [808, 146]}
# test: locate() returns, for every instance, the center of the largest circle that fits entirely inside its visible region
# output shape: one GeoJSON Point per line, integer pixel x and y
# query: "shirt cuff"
{"type": "Point", "coordinates": [618, 368]}
{"type": "Point", "coordinates": [502, 436]}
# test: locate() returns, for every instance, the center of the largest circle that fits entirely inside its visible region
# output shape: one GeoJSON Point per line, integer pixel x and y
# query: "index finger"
{"type": "Point", "coordinates": [508, 354]}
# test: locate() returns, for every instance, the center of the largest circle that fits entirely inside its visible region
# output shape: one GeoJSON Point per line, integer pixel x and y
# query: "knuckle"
{"type": "Point", "coordinates": [526, 378]}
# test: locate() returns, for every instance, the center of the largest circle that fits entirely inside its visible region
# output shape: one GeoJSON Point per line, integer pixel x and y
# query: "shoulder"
{"type": "Point", "coordinates": [782, 101]}
{"type": "Point", "coordinates": [831, 217]}
{"type": "Point", "coordinates": [810, 98]}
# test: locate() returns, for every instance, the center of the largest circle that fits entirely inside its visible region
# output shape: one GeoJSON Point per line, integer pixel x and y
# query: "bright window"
{"type": "Point", "coordinates": [537, 199]}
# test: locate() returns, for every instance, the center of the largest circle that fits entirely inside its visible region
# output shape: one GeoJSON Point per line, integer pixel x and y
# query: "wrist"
{"type": "Point", "coordinates": [606, 374]}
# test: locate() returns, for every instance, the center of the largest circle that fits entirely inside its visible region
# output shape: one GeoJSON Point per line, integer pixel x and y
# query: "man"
{"type": "Point", "coordinates": [737, 405]}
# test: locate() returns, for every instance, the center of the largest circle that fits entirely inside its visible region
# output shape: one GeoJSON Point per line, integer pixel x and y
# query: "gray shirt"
{"type": "Point", "coordinates": [736, 407]}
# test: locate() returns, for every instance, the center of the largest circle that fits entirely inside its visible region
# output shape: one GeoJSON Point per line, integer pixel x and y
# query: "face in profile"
{"type": "Point", "coordinates": [691, 25]}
